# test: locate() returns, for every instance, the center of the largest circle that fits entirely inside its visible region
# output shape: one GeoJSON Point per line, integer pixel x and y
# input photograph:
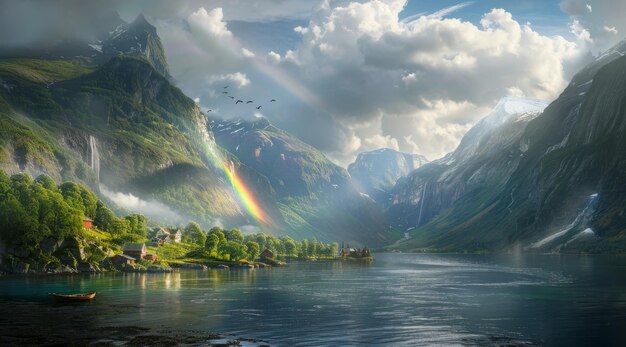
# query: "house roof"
{"type": "Point", "coordinates": [169, 231]}
{"type": "Point", "coordinates": [125, 256]}
{"type": "Point", "coordinates": [134, 247]}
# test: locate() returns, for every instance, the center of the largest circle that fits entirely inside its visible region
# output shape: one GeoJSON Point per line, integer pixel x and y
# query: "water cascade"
{"type": "Point", "coordinates": [419, 218]}
{"type": "Point", "coordinates": [95, 156]}
{"type": "Point", "coordinates": [581, 219]}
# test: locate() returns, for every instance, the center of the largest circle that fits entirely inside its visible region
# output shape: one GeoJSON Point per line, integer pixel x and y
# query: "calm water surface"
{"type": "Point", "coordinates": [400, 299]}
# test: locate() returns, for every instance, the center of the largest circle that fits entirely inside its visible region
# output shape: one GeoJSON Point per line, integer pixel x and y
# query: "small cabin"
{"type": "Point", "coordinates": [87, 223]}
{"type": "Point", "coordinates": [135, 250]}
{"type": "Point", "coordinates": [267, 254]}
{"type": "Point", "coordinates": [122, 259]}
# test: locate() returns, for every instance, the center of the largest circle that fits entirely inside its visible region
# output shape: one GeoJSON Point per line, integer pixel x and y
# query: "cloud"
{"type": "Point", "coordinates": [610, 30]}
{"type": "Point", "coordinates": [152, 209]}
{"type": "Point", "coordinates": [451, 9]}
{"type": "Point", "coordinates": [580, 32]}
{"type": "Point", "coordinates": [601, 19]}
{"type": "Point", "coordinates": [417, 85]}
{"type": "Point", "coordinates": [236, 79]}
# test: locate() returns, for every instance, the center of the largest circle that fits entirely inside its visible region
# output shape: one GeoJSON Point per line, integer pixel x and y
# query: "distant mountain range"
{"type": "Point", "coordinates": [376, 172]}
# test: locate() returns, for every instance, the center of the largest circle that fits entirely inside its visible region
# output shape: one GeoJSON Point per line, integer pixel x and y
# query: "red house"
{"type": "Point", "coordinates": [87, 223]}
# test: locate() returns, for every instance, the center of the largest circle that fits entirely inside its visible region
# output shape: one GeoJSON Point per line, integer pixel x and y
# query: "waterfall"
{"type": "Point", "coordinates": [580, 219]}
{"type": "Point", "coordinates": [95, 156]}
{"type": "Point", "coordinates": [419, 218]}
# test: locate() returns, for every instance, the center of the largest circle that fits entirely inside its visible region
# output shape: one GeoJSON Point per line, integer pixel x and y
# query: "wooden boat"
{"type": "Point", "coordinates": [72, 297]}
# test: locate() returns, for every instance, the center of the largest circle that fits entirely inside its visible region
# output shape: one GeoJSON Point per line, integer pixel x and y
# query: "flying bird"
{"type": "Point", "coordinates": [249, 102]}
{"type": "Point", "coordinates": [273, 100]}
{"type": "Point", "coordinates": [208, 110]}
{"type": "Point", "coordinates": [232, 97]}
{"type": "Point", "coordinates": [226, 87]}
{"type": "Point", "coordinates": [224, 92]}
{"type": "Point", "coordinates": [238, 101]}
{"type": "Point", "coordinates": [258, 107]}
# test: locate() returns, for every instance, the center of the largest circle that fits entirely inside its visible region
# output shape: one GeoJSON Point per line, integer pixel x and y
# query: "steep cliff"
{"type": "Point", "coordinates": [551, 185]}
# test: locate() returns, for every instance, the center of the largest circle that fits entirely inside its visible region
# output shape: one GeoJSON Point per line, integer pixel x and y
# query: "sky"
{"type": "Point", "coordinates": [352, 76]}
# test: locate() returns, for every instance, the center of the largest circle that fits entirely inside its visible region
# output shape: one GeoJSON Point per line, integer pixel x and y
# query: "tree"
{"type": "Point", "coordinates": [211, 244]}
{"type": "Point", "coordinates": [47, 182]}
{"type": "Point", "coordinates": [253, 250]}
{"type": "Point", "coordinates": [333, 249]}
{"type": "Point", "coordinates": [104, 217]}
{"type": "Point", "coordinates": [120, 226]}
{"type": "Point", "coordinates": [194, 234]}
{"type": "Point", "coordinates": [235, 250]}
{"type": "Point", "coordinates": [234, 235]}
{"type": "Point", "coordinates": [138, 224]}
{"type": "Point", "coordinates": [219, 233]}
{"type": "Point", "coordinates": [312, 251]}
{"type": "Point", "coordinates": [291, 249]}
{"type": "Point", "coordinates": [79, 198]}
{"type": "Point", "coordinates": [304, 249]}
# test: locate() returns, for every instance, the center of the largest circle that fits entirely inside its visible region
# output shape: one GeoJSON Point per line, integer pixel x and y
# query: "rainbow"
{"type": "Point", "coordinates": [245, 195]}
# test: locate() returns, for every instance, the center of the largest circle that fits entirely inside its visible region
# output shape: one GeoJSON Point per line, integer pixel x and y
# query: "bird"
{"type": "Point", "coordinates": [238, 101]}
{"type": "Point", "coordinates": [232, 97]}
{"type": "Point", "coordinates": [208, 110]}
{"type": "Point", "coordinates": [224, 92]}
{"type": "Point", "coordinates": [273, 100]}
{"type": "Point", "coordinates": [249, 102]}
{"type": "Point", "coordinates": [226, 87]}
{"type": "Point", "coordinates": [258, 107]}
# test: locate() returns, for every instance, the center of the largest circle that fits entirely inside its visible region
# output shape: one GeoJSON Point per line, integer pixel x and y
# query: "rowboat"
{"type": "Point", "coordinates": [72, 297]}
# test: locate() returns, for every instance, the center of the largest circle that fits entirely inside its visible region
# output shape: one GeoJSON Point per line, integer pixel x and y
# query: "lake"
{"type": "Point", "coordinates": [400, 299]}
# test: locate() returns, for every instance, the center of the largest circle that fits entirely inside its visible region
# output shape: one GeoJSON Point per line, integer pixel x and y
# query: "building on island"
{"type": "Point", "coordinates": [347, 252]}
{"type": "Point", "coordinates": [135, 250]}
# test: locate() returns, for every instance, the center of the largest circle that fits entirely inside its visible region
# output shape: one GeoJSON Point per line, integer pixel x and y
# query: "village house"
{"type": "Point", "coordinates": [135, 250]}
{"type": "Point", "coordinates": [166, 235]}
{"type": "Point", "coordinates": [267, 254]}
{"type": "Point", "coordinates": [87, 223]}
{"type": "Point", "coordinates": [119, 259]}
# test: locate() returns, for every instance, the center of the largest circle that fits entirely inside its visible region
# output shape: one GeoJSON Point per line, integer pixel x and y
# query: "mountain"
{"type": "Point", "coordinates": [312, 194]}
{"type": "Point", "coordinates": [536, 182]}
{"type": "Point", "coordinates": [376, 172]}
{"type": "Point", "coordinates": [150, 139]}
{"type": "Point", "coordinates": [107, 37]}
{"type": "Point", "coordinates": [115, 122]}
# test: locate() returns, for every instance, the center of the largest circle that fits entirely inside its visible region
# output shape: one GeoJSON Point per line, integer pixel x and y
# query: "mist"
{"type": "Point", "coordinates": [152, 209]}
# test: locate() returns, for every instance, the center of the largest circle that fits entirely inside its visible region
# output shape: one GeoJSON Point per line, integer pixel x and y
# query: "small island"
{"type": "Point", "coordinates": [348, 253]}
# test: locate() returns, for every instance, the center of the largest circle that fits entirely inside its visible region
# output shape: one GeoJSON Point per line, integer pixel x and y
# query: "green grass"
{"type": "Point", "coordinates": [43, 71]}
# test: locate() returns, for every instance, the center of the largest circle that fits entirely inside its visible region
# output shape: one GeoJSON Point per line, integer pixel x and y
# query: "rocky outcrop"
{"type": "Point", "coordinates": [52, 257]}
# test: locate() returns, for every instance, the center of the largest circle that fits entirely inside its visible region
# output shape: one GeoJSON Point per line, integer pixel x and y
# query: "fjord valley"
{"type": "Point", "coordinates": [376, 172]}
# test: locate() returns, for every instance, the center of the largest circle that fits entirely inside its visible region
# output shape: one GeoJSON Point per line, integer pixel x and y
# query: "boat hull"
{"type": "Point", "coordinates": [72, 297]}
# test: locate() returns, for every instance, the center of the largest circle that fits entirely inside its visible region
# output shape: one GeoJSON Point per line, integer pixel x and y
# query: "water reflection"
{"type": "Point", "coordinates": [400, 299]}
